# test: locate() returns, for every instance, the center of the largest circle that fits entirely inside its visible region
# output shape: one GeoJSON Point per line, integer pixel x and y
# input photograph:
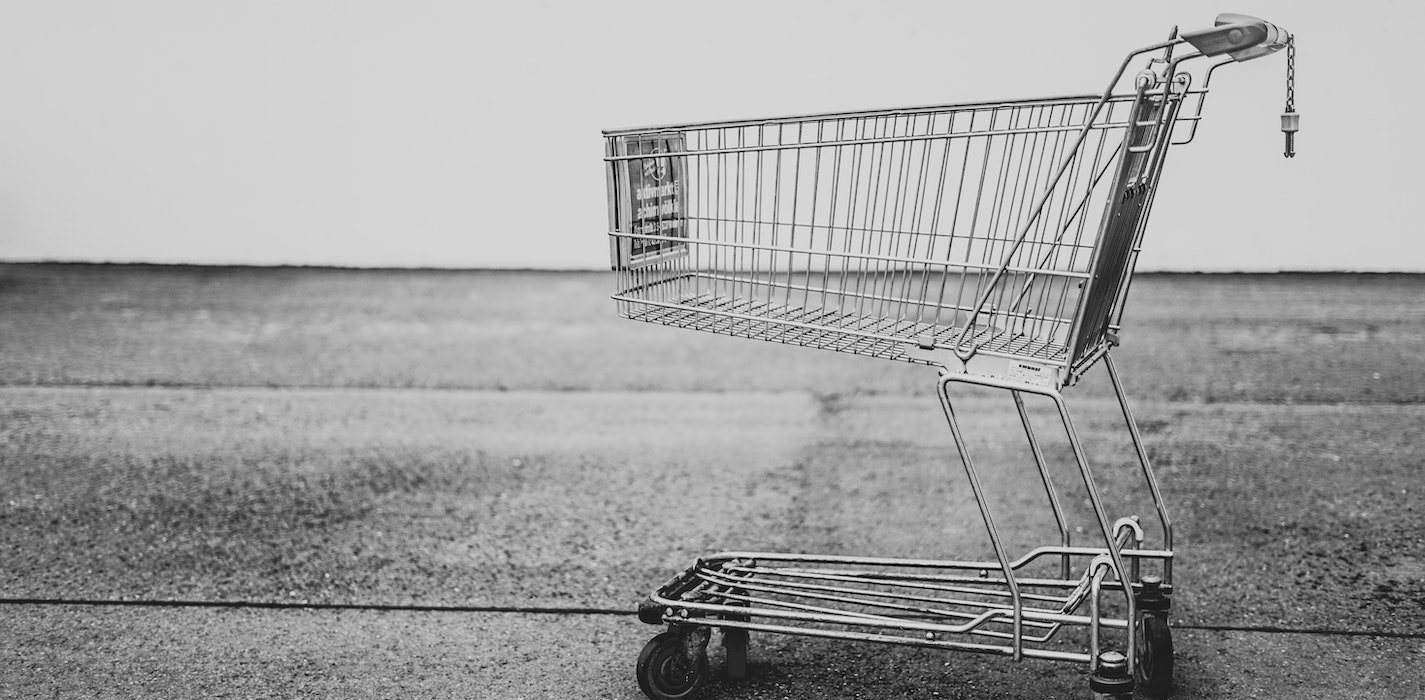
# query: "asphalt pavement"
{"type": "Point", "coordinates": [408, 534]}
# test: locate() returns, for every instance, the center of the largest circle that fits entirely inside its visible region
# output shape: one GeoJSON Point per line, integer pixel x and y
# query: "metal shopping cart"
{"type": "Point", "coordinates": [993, 240]}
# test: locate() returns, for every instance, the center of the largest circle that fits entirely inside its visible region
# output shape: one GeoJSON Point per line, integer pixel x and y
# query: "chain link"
{"type": "Point", "coordinates": [1290, 119]}
{"type": "Point", "coordinates": [1291, 74]}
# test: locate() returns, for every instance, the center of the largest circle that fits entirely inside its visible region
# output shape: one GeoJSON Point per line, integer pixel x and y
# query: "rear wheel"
{"type": "Point", "coordinates": [735, 642]}
{"type": "Point", "coordinates": [1155, 656]}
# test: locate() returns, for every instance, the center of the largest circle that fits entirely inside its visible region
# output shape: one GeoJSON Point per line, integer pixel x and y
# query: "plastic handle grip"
{"type": "Point", "coordinates": [1240, 36]}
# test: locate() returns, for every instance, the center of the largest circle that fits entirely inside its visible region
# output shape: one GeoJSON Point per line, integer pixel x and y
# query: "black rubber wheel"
{"type": "Point", "coordinates": [1155, 656]}
{"type": "Point", "coordinates": [735, 642]}
{"type": "Point", "coordinates": [665, 674]}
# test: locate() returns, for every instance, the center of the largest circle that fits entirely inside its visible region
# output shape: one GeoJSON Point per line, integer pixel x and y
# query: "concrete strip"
{"type": "Point", "coordinates": [165, 653]}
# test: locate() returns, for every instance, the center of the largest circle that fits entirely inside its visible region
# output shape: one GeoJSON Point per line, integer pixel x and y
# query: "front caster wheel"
{"type": "Point", "coordinates": [1155, 656]}
{"type": "Point", "coordinates": [665, 671]}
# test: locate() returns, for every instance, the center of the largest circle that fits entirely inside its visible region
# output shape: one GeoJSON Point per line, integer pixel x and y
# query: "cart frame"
{"type": "Point", "coordinates": [716, 227]}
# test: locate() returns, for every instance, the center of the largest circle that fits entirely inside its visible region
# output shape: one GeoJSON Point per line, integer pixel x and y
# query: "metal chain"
{"type": "Point", "coordinates": [1291, 74]}
{"type": "Point", "coordinates": [1290, 119]}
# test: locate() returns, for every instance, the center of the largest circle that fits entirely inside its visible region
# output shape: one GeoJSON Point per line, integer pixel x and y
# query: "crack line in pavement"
{"type": "Point", "coordinates": [1319, 631]}
{"type": "Point", "coordinates": [536, 610]}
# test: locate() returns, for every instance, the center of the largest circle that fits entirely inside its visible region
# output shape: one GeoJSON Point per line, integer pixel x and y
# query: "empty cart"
{"type": "Point", "coordinates": [994, 241]}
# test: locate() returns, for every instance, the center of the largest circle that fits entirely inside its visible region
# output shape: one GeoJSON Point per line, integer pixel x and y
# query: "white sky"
{"type": "Point", "coordinates": [466, 134]}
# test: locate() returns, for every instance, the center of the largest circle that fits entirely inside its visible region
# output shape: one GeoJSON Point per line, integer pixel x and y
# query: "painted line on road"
{"type": "Point", "coordinates": [265, 605]}
{"type": "Point", "coordinates": [568, 610]}
{"type": "Point", "coordinates": [1318, 631]}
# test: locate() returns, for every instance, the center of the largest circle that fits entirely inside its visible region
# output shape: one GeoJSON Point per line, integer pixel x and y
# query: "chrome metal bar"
{"type": "Point", "coordinates": [946, 564]}
{"type": "Point", "coordinates": [995, 541]}
{"type": "Point", "coordinates": [854, 114]}
{"type": "Point", "coordinates": [878, 297]}
{"type": "Point", "coordinates": [806, 613]}
{"type": "Point", "coordinates": [1047, 620]}
{"type": "Point", "coordinates": [879, 140]}
{"type": "Point", "coordinates": [919, 641]}
{"type": "Point", "coordinates": [898, 581]}
{"type": "Point", "coordinates": [1095, 579]}
{"type": "Point", "coordinates": [1142, 452]}
{"type": "Point", "coordinates": [1169, 118]}
{"type": "Point", "coordinates": [793, 605]}
{"type": "Point", "coordinates": [1096, 501]}
{"type": "Point", "coordinates": [866, 329]}
{"type": "Point", "coordinates": [1063, 167]}
{"type": "Point", "coordinates": [1049, 490]}
{"type": "Point", "coordinates": [838, 594]}
{"type": "Point", "coordinates": [1090, 301]}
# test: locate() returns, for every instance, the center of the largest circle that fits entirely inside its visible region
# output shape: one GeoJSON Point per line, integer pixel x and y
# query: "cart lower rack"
{"type": "Point", "coordinates": [995, 241]}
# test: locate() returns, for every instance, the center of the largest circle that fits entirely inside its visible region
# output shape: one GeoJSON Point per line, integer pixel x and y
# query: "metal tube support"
{"type": "Point", "coordinates": [1147, 468]}
{"type": "Point", "coordinates": [1115, 558]}
{"type": "Point", "coordinates": [943, 389]}
{"type": "Point", "coordinates": [1024, 228]}
{"type": "Point", "coordinates": [1095, 586]}
{"type": "Point", "coordinates": [1064, 536]}
{"type": "Point", "coordinates": [1128, 528]}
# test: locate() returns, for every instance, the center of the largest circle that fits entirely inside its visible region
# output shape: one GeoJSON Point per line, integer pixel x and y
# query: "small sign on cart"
{"type": "Point", "coordinates": [651, 199]}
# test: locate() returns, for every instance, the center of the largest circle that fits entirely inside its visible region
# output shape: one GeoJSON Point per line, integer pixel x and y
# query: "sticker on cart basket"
{"type": "Point", "coordinates": [651, 208]}
{"type": "Point", "coordinates": [1031, 374]}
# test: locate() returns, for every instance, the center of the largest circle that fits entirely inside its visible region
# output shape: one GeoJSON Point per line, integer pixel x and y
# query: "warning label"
{"type": "Point", "coordinates": [1031, 374]}
{"type": "Point", "coordinates": [655, 191]}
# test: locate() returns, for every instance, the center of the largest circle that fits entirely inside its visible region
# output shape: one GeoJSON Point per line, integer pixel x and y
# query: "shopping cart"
{"type": "Point", "coordinates": [993, 240]}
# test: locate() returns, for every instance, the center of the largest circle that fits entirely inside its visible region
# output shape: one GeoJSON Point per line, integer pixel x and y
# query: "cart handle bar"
{"type": "Point", "coordinates": [1242, 37]}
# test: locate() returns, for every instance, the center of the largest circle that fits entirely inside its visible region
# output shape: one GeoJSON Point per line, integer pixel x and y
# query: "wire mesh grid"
{"type": "Point", "coordinates": [868, 595]}
{"type": "Point", "coordinates": [875, 232]}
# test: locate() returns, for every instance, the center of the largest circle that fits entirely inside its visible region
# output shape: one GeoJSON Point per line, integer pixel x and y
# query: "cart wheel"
{"type": "Point", "coordinates": [735, 642]}
{"type": "Point", "coordinates": [1155, 656]}
{"type": "Point", "coordinates": [664, 672]}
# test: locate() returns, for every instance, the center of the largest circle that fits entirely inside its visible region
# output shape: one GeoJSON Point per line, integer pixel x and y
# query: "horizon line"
{"type": "Point", "coordinates": [587, 270]}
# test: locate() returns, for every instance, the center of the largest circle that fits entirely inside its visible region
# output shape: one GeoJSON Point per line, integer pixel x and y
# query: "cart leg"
{"type": "Point", "coordinates": [943, 388]}
{"type": "Point", "coordinates": [1115, 558]}
{"type": "Point", "coordinates": [1064, 537]}
{"type": "Point", "coordinates": [1147, 468]}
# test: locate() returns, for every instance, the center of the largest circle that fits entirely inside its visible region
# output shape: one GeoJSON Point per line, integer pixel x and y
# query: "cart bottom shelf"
{"type": "Point", "coordinates": [916, 602]}
{"type": "Point", "coordinates": [957, 606]}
